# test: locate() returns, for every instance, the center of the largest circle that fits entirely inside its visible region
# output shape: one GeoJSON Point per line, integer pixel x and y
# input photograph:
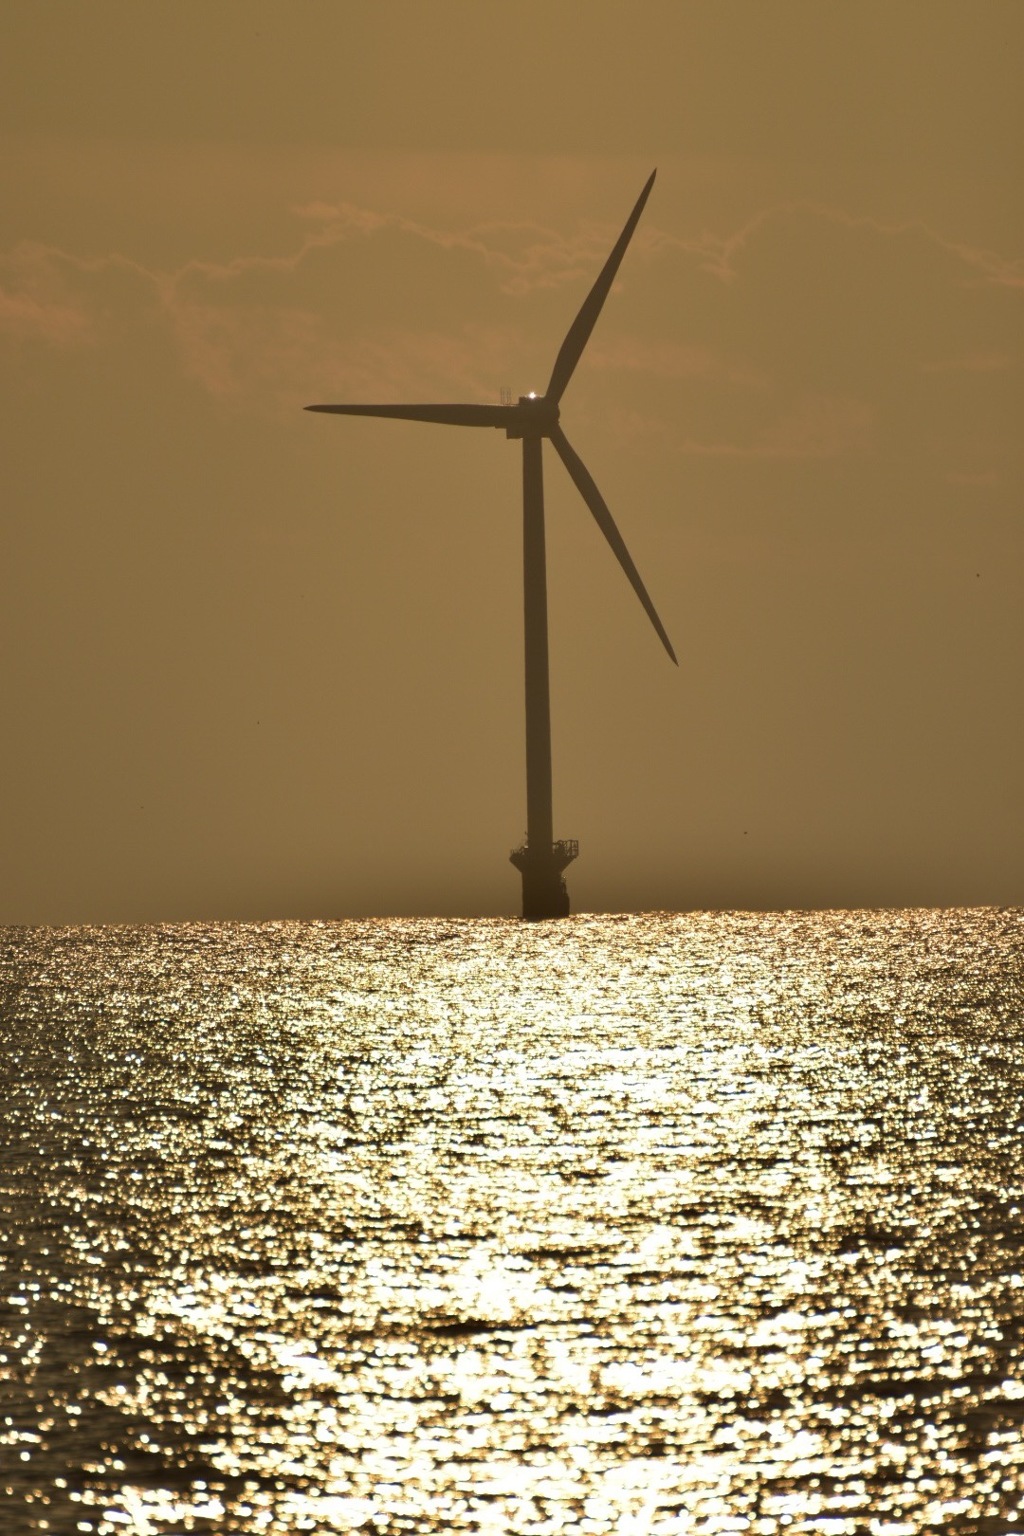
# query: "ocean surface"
{"type": "Point", "coordinates": [649, 1224]}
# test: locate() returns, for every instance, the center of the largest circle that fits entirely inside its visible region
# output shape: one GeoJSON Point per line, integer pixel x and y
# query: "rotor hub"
{"type": "Point", "coordinates": [533, 416]}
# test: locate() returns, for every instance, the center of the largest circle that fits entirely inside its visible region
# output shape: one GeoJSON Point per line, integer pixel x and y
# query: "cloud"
{"type": "Point", "coordinates": [523, 256]}
{"type": "Point", "coordinates": [235, 345]}
{"type": "Point", "coordinates": [984, 479]}
{"type": "Point", "coordinates": [797, 336]}
{"type": "Point", "coordinates": [287, 357]}
{"type": "Point", "coordinates": [671, 360]}
{"type": "Point", "coordinates": [720, 254]}
{"type": "Point", "coordinates": [972, 362]}
{"type": "Point", "coordinates": [814, 427]}
{"type": "Point", "coordinates": [34, 300]}
{"type": "Point", "coordinates": [22, 314]}
{"type": "Point", "coordinates": [818, 427]}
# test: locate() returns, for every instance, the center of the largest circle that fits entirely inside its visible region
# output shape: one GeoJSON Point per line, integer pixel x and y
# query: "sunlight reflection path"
{"type": "Point", "coordinates": [661, 1224]}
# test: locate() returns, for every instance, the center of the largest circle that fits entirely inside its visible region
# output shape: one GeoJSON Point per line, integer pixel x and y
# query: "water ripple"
{"type": "Point", "coordinates": [658, 1224]}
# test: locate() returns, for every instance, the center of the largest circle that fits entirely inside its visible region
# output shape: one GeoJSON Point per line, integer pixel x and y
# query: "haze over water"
{"type": "Point", "coordinates": [666, 1224]}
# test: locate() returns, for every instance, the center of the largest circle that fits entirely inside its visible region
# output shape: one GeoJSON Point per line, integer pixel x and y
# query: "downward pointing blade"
{"type": "Point", "coordinates": [447, 415]}
{"type": "Point", "coordinates": [583, 482]}
{"type": "Point", "coordinates": [579, 332]}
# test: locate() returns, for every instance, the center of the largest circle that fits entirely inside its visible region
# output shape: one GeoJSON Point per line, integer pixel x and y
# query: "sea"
{"type": "Point", "coordinates": [662, 1224]}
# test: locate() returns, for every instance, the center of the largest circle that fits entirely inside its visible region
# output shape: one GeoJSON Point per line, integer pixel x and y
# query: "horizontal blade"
{"type": "Point", "coordinates": [579, 332]}
{"type": "Point", "coordinates": [583, 482]}
{"type": "Point", "coordinates": [448, 415]}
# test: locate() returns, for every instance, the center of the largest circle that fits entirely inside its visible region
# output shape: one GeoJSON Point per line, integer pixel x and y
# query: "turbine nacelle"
{"type": "Point", "coordinates": [532, 416]}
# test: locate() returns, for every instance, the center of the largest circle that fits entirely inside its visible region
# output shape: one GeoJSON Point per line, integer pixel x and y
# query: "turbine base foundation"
{"type": "Point", "coordinates": [544, 890]}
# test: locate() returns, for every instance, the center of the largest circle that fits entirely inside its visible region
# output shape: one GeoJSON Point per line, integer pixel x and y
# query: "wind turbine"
{"type": "Point", "coordinates": [541, 860]}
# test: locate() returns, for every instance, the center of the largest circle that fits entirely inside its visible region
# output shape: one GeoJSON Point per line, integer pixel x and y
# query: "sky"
{"type": "Point", "coordinates": [264, 664]}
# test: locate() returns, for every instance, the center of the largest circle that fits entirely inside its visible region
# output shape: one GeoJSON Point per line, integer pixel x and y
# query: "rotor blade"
{"type": "Point", "coordinates": [581, 478]}
{"type": "Point", "coordinates": [448, 415]}
{"type": "Point", "coordinates": [579, 332]}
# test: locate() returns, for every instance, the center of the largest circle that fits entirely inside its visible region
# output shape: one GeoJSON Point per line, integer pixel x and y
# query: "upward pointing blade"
{"type": "Point", "coordinates": [579, 332]}
{"type": "Point", "coordinates": [583, 482]}
{"type": "Point", "coordinates": [447, 415]}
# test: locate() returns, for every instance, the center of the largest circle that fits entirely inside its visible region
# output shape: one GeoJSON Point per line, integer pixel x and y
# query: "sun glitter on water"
{"type": "Point", "coordinates": [660, 1224]}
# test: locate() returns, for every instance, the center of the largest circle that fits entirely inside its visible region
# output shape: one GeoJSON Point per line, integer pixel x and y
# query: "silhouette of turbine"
{"type": "Point", "coordinates": [542, 861]}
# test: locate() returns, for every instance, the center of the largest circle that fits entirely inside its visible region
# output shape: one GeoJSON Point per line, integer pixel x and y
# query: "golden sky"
{"type": "Point", "coordinates": [263, 664]}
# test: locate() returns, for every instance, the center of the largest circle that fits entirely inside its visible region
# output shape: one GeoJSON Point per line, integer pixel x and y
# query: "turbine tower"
{"type": "Point", "coordinates": [541, 860]}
